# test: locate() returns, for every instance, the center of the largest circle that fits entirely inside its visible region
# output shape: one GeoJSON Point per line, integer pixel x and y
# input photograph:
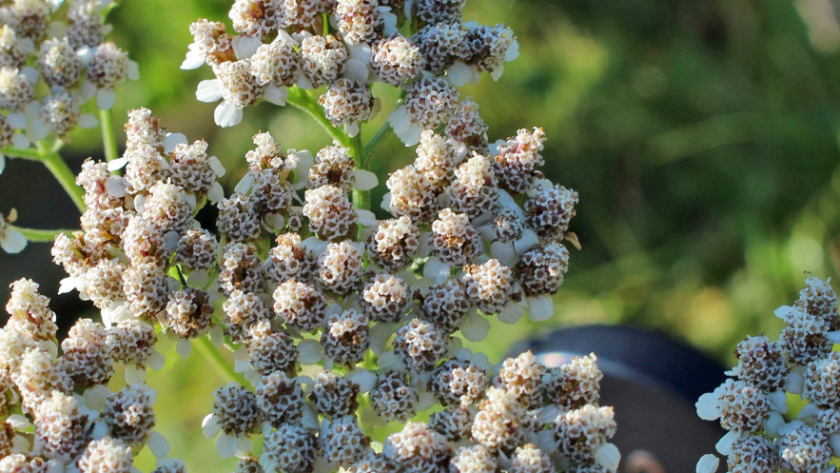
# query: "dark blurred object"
{"type": "Point", "coordinates": [653, 383]}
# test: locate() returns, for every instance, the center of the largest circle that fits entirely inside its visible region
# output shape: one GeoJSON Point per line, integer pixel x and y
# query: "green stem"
{"type": "Point", "coordinates": [214, 356]}
{"type": "Point", "coordinates": [109, 140]}
{"type": "Point", "coordinates": [30, 154]}
{"type": "Point", "coordinates": [36, 235]}
{"type": "Point", "coordinates": [361, 199]}
{"type": "Point", "coordinates": [63, 174]}
{"type": "Point", "coordinates": [304, 101]}
{"type": "Point", "coordinates": [373, 144]}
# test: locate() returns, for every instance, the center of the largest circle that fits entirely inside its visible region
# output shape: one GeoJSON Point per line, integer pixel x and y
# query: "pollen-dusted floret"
{"type": "Point", "coordinates": [475, 190]}
{"type": "Point", "coordinates": [821, 381]}
{"type": "Point", "coordinates": [395, 60]}
{"type": "Point", "coordinates": [334, 395]}
{"type": "Point", "coordinates": [85, 351]}
{"type": "Point", "coordinates": [146, 290]}
{"type": "Point", "coordinates": [243, 309]}
{"type": "Point", "coordinates": [339, 267]}
{"type": "Point", "coordinates": [107, 455]}
{"type": "Point", "coordinates": [430, 102]}
{"type": "Point", "coordinates": [257, 18]}
{"type": "Point", "coordinates": [393, 398]}
{"type": "Point", "coordinates": [827, 421]}
{"type": "Point", "coordinates": [489, 285]}
{"type": "Point", "coordinates": [438, 11]}
{"type": "Point", "coordinates": [92, 178]}
{"type": "Point", "coordinates": [271, 350]}
{"type": "Point", "coordinates": [453, 423]}
{"type": "Point", "coordinates": [290, 448]}
{"type": "Point", "coordinates": [550, 210]}
{"type": "Point", "coordinates": [761, 363]}
{"type": "Point", "coordinates": [508, 225]}
{"type": "Point", "coordinates": [384, 297]}
{"type": "Point", "coordinates": [68, 251]}
{"type": "Point", "coordinates": [819, 298]}
{"type": "Point", "coordinates": [333, 165]}
{"type": "Point", "coordinates": [530, 459]}
{"type": "Point", "coordinates": [104, 283]}
{"type": "Point", "coordinates": [197, 250]}
{"type": "Point", "coordinates": [519, 158]}
{"type": "Point", "coordinates": [272, 191]}
{"type": "Point", "coordinates": [275, 63]}
{"type": "Point", "coordinates": [412, 195]}
{"type": "Point", "coordinates": [239, 88]}
{"type": "Point", "coordinates": [418, 448]}
{"type": "Point", "coordinates": [374, 463]}
{"type": "Point", "coordinates": [522, 377]}
{"type": "Point", "coordinates": [19, 462]}
{"type": "Point", "coordinates": [304, 13]}
{"type": "Point", "coordinates": [453, 239]}
{"type": "Point", "coordinates": [238, 218]}
{"type": "Point", "coordinates": [267, 154]}
{"type": "Point", "coordinates": [6, 132]}
{"type": "Point", "coordinates": [235, 409]}
{"type": "Point", "coordinates": [12, 50]}
{"type": "Point", "coordinates": [804, 339]}
{"type": "Point", "coordinates": [804, 449]}
{"type": "Point", "coordinates": [743, 407]}
{"type": "Point", "coordinates": [583, 431]}
{"type": "Point", "coordinates": [129, 415]}
{"type": "Point", "coordinates": [191, 168]}
{"type": "Point", "coordinates": [241, 269]}
{"type": "Point", "coordinates": [300, 305]}
{"type": "Point", "coordinates": [488, 47]}
{"type": "Point", "coordinates": [576, 383]}
{"type": "Point", "coordinates": [146, 166]}
{"type": "Point", "coordinates": [16, 90]}
{"type": "Point", "coordinates": [143, 129]}
{"type": "Point", "coordinates": [211, 41]}
{"type": "Point", "coordinates": [347, 102]}
{"type": "Point", "coordinates": [344, 442]}
{"type": "Point", "coordinates": [30, 18]}
{"type": "Point", "coordinates": [499, 420]}
{"type": "Point", "coordinates": [358, 20]}
{"type": "Point", "coordinates": [290, 259]}
{"type": "Point", "coordinates": [189, 313]}
{"type": "Point", "coordinates": [59, 63]}
{"type": "Point", "coordinates": [168, 208]}
{"type": "Point", "coordinates": [541, 270]}
{"type": "Point", "coordinates": [279, 398]}
{"type": "Point", "coordinates": [143, 243]}
{"type": "Point", "coordinates": [323, 59]}
{"type": "Point", "coordinates": [347, 337]}
{"type": "Point", "coordinates": [394, 243]}
{"type": "Point", "coordinates": [436, 157]}
{"type": "Point", "coordinates": [109, 66]}
{"type": "Point", "coordinates": [29, 312]}
{"type": "Point", "coordinates": [60, 113]}
{"type": "Point", "coordinates": [446, 305]}
{"type": "Point", "coordinates": [442, 44]}
{"type": "Point", "coordinates": [36, 374]}
{"type": "Point", "coordinates": [419, 344]}
{"type": "Point", "coordinates": [466, 126]}
{"type": "Point", "coordinates": [85, 24]}
{"type": "Point", "coordinates": [245, 465]}
{"type": "Point", "coordinates": [753, 454]}
{"type": "Point", "coordinates": [131, 342]}
{"type": "Point", "coordinates": [473, 459]}
{"type": "Point", "coordinates": [60, 426]}
{"type": "Point", "coordinates": [330, 212]}
{"type": "Point", "coordinates": [458, 382]}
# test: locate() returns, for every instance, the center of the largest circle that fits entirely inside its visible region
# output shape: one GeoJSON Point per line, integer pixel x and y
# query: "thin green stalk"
{"type": "Point", "coordinates": [109, 140]}
{"type": "Point", "coordinates": [304, 101]}
{"type": "Point", "coordinates": [373, 144]}
{"type": "Point", "coordinates": [63, 174]}
{"type": "Point", "coordinates": [30, 154]}
{"type": "Point", "coordinates": [214, 356]}
{"type": "Point", "coordinates": [36, 235]}
{"type": "Point", "coordinates": [361, 199]}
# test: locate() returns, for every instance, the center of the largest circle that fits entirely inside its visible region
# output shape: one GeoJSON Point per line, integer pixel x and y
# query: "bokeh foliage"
{"type": "Point", "coordinates": [702, 137]}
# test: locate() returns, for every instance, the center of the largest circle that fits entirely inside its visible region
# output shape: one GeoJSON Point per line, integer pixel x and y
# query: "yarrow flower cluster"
{"type": "Point", "coordinates": [751, 404]}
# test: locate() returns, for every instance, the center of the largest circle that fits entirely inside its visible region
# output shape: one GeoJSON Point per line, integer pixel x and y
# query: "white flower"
{"type": "Point", "coordinates": [708, 464]}
{"type": "Point", "coordinates": [11, 239]}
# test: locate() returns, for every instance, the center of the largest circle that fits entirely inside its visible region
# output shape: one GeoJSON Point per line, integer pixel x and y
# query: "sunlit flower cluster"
{"type": "Point", "coordinates": [752, 403]}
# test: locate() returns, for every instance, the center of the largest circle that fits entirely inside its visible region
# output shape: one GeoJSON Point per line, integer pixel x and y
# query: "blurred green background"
{"type": "Point", "coordinates": [702, 135]}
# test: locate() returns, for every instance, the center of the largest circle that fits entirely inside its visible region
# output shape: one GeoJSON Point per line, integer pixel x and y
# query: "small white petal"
{"type": "Point", "coordinates": [133, 71]}
{"type": "Point", "coordinates": [399, 120]}
{"type": "Point", "coordinates": [37, 130]}
{"type": "Point", "coordinates": [540, 308]}
{"type": "Point", "coordinates": [156, 361]}
{"type": "Point", "coordinates": [116, 186]}
{"type": "Point", "coordinates": [778, 399]}
{"type": "Point", "coordinates": [386, 202]}
{"type": "Point", "coordinates": [106, 98]}
{"type": "Point", "coordinates": [18, 422]}
{"type": "Point", "coordinates": [389, 360]}
{"type": "Point", "coordinates": [276, 95]}
{"type": "Point", "coordinates": [191, 199]}
{"type": "Point", "coordinates": [16, 120]}
{"type": "Point", "coordinates": [183, 347]}
{"type": "Point", "coordinates": [833, 336]}
{"type": "Point", "coordinates": [511, 313]}
{"type": "Point", "coordinates": [476, 329]}
{"type": "Point", "coordinates": [497, 72]}
{"type": "Point", "coordinates": [459, 74]}
{"type": "Point", "coordinates": [782, 311]}
{"type": "Point", "coordinates": [724, 445]}
{"type": "Point", "coordinates": [389, 21]}
{"type": "Point", "coordinates": [158, 445]}
{"type": "Point", "coordinates": [437, 270]}
{"type": "Point", "coordinates": [412, 136]}
{"type": "Point", "coordinates": [88, 90]}
{"type": "Point", "coordinates": [309, 418]}
{"type": "Point", "coordinates": [217, 335]}
{"type": "Point", "coordinates": [19, 140]}
{"type": "Point", "coordinates": [708, 406]}
{"type": "Point", "coordinates": [528, 240]}
{"type": "Point", "coordinates": [55, 466]}
{"type": "Point", "coordinates": [117, 164]}
{"type": "Point", "coordinates": [226, 446]}
{"type": "Point", "coordinates": [512, 52]}
{"type": "Point", "coordinates": [209, 91]}
{"type": "Point", "coordinates": [245, 46]}
{"type": "Point", "coordinates": [87, 121]}
{"type": "Point", "coordinates": [134, 375]}
{"type": "Point", "coordinates": [194, 60]}
{"type": "Point", "coordinates": [364, 180]}
{"type": "Point", "coordinates": [245, 184]}
{"type": "Point", "coordinates": [96, 396]}
{"type": "Point", "coordinates": [173, 140]}
{"type": "Point", "coordinates": [774, 422]}
{"type": "Point", "coordinates": [216, 193]}
{"type": "Point", "coordinates": [352, 129]}
{"type": "Point", "coordinates": [366, 218]}
{"type": "Point", "coordinates": [20, 444]}
{"type": "Point", "coordinates": [426, 401]}
{"type": "Point", "coordinates": [795, 383]}
{"type": "Point", "coordinates": [170, 241]}
{"type": "Point", "coordinates": [217, 166]}
{"type": "Point", "coordinates": [210, 426]}
{"type": "Point", "coordinates": [227, 115]}
{"type": "Point", "coordinates": [608, 456]}
{"type": "Point", "coordinates": [244, 446]}
{"type": "Point", "coordinates": [547, 441]}
{"type": "Point", "coordinates": [67, 285]}
{"type": "Point", "coordinates": [808, 412]}
{"type": "Point", "coordinates": [356, 70]}
{"type": "Point", "coordinates": [834, 441]}
{"type": "Point", "coordinates": [503, 251]}
{"type": "Point", "coordinates": [548, 413]}
{"type": "Point", "coordinates": [708, 464]}
{"type": "Point", "coordinates": [14, 242]}
{"type": "Point", "coordinates": [363, 378]}
{"type": "Point", "coordinates": [309, 352]}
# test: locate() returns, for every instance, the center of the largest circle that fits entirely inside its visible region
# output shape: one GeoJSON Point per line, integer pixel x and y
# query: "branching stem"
{"type": "Point", "coordinates": [37, 235]}
{"type": "Point", "coordinates": [109, 140]}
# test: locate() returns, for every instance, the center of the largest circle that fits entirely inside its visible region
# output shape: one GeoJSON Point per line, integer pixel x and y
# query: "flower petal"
{"type": "Point", "coordinates": [117, 164]}
{"type": "Point", "coordinates": [399, 120]}
{"type": "Point", "coordinates": [476, 329]}
{"type": "Point", "coordinates": [183, 348]}
{"type": "Point", "coordinates": [14, 242]}
{"type": "Point", "coordinates": [356, 70]}
{"type": "Point", "coordinates": [511, 313]}
{"type": "Point", "coordinates": [459, 74]}
{"type": "Point", "coordinates": [158, 445]}
{"type": "Point", "coordinates": [708, 406]}
{"type": "Point", "coordinates": [174, 139]}
{"type": "Point", "coordinates": [116, 186]}
{"type": "Point", "coordinates": [540, 308]}
{"type": "Point", "coordinates": [708, 463]}
{"type": "Point", "coordinates": [724, 445]}
{"type": "Point", "coordinates": [87, 121]}
{"type": "Point", "coordinates": [276, 95]}
{"type": "Point", "coordinates": [245, 46]}
{"type": "Point", "coordinates": [106, 98]}
{"type": "Point", "coordinates": [227, 115]}
{"type": "Point", "coordinates": [309, 352]}
{"type": "Point", "coordinates": [226, 446]}
{"type": "Point", "coordinates": [365, 180]}
{"type": "Point", "coordinates": [210, 426]}
{"type": "Point", "coordinates": [209, 91]}
{"type": "Point", "coordinates": [608, 456]}
{"type": "Point", "coordinates": [193, 60]}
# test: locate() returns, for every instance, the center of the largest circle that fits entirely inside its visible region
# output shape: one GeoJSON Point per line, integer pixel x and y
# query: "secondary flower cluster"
{"type": "Point", "coordinates": [751, 404]}
{"type": "Point", "coordinates": [57, 413]}
{"type": "Point", "coordinates": [51, 66]}
{"type": "Point", "coordinates": [346, 46]}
